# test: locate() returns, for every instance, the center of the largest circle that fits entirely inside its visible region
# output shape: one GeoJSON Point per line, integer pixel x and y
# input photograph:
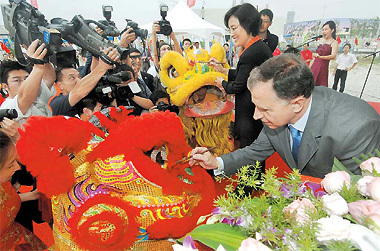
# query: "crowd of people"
{"type": "Point", "coordinates": [281, 103]}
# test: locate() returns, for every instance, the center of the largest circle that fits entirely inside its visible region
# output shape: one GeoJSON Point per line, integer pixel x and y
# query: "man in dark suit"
{"type": "Point", "coordinates": [308, 126]}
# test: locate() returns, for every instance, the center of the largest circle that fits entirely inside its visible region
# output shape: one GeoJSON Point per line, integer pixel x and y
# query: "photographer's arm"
{"type": "Point", "coordinates": [49, 75]}
{"type": "Point", "coordinates": [176, 43]}
{"type": "Point", "coordinates": [30, 88]}
{"type": "Point", "coordinates": [143, 102]}
{"type": "Point", "coordinates": [88, 83]}
{"type": "Point", "coordinates": [94, 63]}
{"type": "Point", "coordinates": [155, 28]}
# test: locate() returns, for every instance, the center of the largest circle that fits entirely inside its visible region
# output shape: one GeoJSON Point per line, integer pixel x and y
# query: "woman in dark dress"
{"type": "Point", "coordinates": [325, 52]}
{"type": "Point", "coordinates": [243, 22]}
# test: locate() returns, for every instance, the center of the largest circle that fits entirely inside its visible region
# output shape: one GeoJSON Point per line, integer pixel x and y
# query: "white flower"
{"type": "Point", "coordinates": [362, 185]}
{"type": "Point", "coordinates": [335, 204]}
{"type": "Point", "coordinates": [333, 182]}
{"type": "Point", "coordinates": [333, 228]}
{"type": "Point", "coordinates": [363, 238]}
{"type": "Point", "coordinates": [178, 247]}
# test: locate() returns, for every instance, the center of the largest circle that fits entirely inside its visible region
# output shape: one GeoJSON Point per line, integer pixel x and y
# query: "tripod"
{"type": "Point", "coordinates": [369, 70]}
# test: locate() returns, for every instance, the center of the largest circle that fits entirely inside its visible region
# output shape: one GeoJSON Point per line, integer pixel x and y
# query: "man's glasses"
{"type": "Point", "coordinates": [136, 56]}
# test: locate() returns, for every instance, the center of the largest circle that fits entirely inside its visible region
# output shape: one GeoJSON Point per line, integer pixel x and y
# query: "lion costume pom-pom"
{"type": "Point", "coordinates": [45, 145]}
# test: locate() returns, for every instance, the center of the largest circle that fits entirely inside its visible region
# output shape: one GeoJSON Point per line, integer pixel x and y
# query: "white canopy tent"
{"type": "Point", "coordinates": [184, 21]}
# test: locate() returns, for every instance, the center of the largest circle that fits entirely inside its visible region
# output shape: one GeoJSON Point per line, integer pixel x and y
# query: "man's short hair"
{"type": "Point", "coordinates": [267, 12]}
{"type": "Point", "coordinates": [349, 45]}
{"type": "Point", "coordinates": [186, 39]}
{"type": "Point", "coordinates": [157, 94]}
{"type": "Point", "coordinates": [58, 72]}
{"type": "Point", "coordinates": [291, 76]}
{"type": "Point", "coordinates": [9, 66]}
{"type": "Point", "coordinates": [249, 18]}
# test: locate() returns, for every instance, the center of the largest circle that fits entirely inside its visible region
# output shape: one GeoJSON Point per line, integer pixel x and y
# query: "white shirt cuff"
{"type": "Point", "coordinates": [220, 169]}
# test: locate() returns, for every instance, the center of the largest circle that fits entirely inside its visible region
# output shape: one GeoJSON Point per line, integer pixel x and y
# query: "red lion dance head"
{"type": "Point", "coordinates": [122, 193]}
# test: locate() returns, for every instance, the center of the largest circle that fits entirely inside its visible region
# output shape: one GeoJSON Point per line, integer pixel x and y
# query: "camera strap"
{"type": "Point", "coordinates": [34, 60]}
{"type": "Point", "coordinates": [106, 59]}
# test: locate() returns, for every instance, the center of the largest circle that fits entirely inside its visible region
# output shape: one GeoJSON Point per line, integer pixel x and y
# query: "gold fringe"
{"type": "Point", "coordinates": [208, 132]}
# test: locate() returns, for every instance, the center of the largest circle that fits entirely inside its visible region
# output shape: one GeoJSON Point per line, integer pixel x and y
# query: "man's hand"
{"type": "Point", "coordinates": [203, 157]}
{"type": "Point", "coordinates": [112, 54]}
{"type": "Point", "coordinates": [127, 37]}
{"type": "Point", "coordinates": [38, 53]}
{"type": "Point", "coordinates": [155, 27]}
{"type": "Point", "coordinates": [10, 128]}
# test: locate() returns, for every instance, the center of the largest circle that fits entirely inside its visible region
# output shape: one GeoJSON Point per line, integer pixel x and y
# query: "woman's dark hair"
{"type": "Point", "coordinates": [5, 142]}
{"type": "Point", "coordinates": [249, 18]}
{"type": "Point", "coordinates": [332, 26]}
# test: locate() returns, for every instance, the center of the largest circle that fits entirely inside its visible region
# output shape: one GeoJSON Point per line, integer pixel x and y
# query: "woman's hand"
{"type": "Point", "coordinates": [316, 55]}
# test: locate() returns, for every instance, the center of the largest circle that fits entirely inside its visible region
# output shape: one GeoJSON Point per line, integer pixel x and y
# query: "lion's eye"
{"type": "Point", "coordinates": [172, 72]}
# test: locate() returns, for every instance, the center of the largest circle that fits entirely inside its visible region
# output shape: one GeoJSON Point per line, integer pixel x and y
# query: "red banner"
{"type": "Point", "coordinates": [190, 3]}
{"type": "Point", "coordinates": [34, 3]}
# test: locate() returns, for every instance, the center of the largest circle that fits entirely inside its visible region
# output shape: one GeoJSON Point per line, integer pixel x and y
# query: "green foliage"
{"type": "Point", "coordinates": [215, 234]}
{"type": "Point", "coordinates": [350, 194]}
{"type": "Point", "coordinates": [340, 245]}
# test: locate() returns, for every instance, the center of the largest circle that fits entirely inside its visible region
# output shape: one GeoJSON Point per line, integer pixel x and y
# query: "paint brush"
{"type": "Point", "coordinates": [186, 159]}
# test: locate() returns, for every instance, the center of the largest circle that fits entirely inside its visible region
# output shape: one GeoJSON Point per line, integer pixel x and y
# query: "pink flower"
{"type": "Point", "coordinates": [365, 210]}
{"type": "Point", "coordinates": [374, 223]}
{"type": "Point", "coordinates": [251, 244]}
{"type": "Point", "coordinates": [333, 182]}
{"type": "Point", "coordinates": [370, 164]}
{"type": "Point", "coordinates": [373, 189]}
{"type": "Point", "coordinates": [300, 207]}
{"type": "Point", "coordinates": [362, 185]}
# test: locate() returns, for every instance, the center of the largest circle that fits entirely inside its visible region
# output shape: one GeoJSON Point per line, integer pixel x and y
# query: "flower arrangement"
{"type": "Point", "coordinates": [340, 213]}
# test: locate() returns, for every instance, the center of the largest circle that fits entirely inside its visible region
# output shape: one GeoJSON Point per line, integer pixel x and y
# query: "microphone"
{"type": "Point", "coordinates": [317, 36]}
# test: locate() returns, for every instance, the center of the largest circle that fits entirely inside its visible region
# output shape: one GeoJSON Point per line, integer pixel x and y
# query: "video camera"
{"type": "Point", "coordinates": [142, 33]}
{"type": "Point", "coordinates": [8, 113]}
{"type": "Point", "coordinates": [108, 89]}
{"type": "Point", "coordinates": [165, 27]}
{"type": "Point", "coordinates": [25, 24]}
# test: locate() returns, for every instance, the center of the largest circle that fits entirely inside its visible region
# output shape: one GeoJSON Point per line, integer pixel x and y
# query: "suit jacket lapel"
{"type": "Point", "coordinates": [313, 131]}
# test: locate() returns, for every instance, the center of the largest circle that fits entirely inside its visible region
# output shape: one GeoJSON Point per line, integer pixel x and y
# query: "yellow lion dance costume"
{"type": "Point", "coordinates": [205, 108]}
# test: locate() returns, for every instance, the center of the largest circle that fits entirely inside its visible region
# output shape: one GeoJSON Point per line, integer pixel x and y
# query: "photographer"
{"type": "Point", "coordinates": [159, 52]}
{"type": "Point", "coordinates": [140, 99]}
{"type": "Point", "coordinates": [74, 88]}
{"type": "Point", "coordinates": [161, 101]}
{"type": "Point", "coordinates": [28, 93]}
{"type": "Point", "coordinates": [143, 78]}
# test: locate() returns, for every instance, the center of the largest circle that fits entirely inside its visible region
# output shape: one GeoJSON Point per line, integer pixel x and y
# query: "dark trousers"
{"type": "Point", "coordinates": [342, 75]}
